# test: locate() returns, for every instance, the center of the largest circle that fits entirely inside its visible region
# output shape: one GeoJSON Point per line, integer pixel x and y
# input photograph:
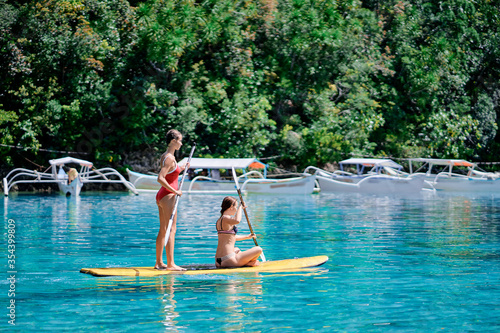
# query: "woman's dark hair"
{"type": "Point", "coordinates": [173, 135]}
{"type": "Point", "coordinates": [227, 203]}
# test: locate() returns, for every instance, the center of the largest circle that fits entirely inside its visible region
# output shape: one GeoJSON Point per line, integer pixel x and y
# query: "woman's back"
{"type": "Point", "coordinates": [226, 231]}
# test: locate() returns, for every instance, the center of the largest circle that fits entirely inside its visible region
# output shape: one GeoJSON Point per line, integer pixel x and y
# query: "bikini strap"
{"type": "Point", "coordinates": [221, 218]}
{"type": "Point", "coordinates": [163, 162]}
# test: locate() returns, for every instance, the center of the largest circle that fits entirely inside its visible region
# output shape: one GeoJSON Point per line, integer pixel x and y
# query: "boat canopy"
{"type": "Point", "coordinates": [438, 161]}
{"type": "Point", "coordinates": [371, 162]}
{"type": "Point", "coordinates": [224, 163]}
{"type": "Point", "coordinates": [66, 160]}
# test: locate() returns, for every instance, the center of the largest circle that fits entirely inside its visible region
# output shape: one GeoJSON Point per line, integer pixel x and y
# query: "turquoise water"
{"type": "Point", "coordinates": [418, 264]}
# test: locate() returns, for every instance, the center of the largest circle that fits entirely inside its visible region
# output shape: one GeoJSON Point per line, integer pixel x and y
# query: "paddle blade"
{"type": "Point", "coordinates": [263, 257]}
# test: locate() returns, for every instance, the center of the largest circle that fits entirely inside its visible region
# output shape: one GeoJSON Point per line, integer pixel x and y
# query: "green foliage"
{"type": "Point", "coordinates": [442, 56]}
{"type": "Point", "coordinates": [326, 73]}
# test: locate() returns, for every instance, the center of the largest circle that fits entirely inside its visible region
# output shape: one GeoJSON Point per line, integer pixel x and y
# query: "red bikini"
{"type": "Point", "coordinates": [172, 179]}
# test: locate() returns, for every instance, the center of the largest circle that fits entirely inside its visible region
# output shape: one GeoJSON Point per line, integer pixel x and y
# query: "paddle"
{"type": "Point", "coordinates": [262, 256]}
{"type": "Point", "coordinates": [170, 222]}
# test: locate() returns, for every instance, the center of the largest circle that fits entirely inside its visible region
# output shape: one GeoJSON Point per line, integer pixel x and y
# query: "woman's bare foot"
{"type": "Point", "coordinates": [175, 268]}
{"type": "Point", "coordinates": [161, 267]}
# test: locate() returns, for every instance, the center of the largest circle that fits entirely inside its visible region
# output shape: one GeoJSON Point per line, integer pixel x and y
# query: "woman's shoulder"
{"type": "Point", "coordinates": [167, 159]}
{"type": "Point", "coordinates": [228, 218]}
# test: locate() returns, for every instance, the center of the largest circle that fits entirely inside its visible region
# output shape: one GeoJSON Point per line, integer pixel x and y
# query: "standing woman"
{"type": "Point", "coordinates": [165, 199]}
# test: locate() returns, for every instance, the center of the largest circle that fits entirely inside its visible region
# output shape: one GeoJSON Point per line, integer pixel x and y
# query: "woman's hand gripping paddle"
{"type": "Point", "coordinates": [262, 256]}
{"type": "Point", "coordinates": [170, 222]}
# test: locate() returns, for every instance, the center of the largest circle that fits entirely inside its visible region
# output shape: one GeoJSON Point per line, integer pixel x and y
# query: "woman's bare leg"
{"type": "Point", "coordinates": [160, 239]}
{"type": "Point", "coordinates": [165, 209]}
{"type": "Point", "coordinates": [170, 248]}
{"type": "Point", "coordinates": [249, 257]}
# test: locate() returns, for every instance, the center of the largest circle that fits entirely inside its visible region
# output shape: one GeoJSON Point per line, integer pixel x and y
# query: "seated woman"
{"type": "Point", "coordinates": [227, 255]}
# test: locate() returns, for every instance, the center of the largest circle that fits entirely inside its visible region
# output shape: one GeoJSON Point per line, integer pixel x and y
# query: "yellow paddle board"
{"type": "Point", "coordinates": [268, 266]}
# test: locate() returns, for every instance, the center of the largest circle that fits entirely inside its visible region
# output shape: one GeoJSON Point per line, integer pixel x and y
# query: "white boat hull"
{"type": "Point", "coordinates": [466, 184]}
{"type": "Point", "coordinates": [371, 184]}
{"type": "Point", "coordinates": [297, 185]}
{"type": "Point", "coordinates": [143, 181]}
{"type": "Point", "coordinates": [73, 188]}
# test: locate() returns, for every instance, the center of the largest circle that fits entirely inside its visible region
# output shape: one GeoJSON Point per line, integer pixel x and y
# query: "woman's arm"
{"type": "Point", "coordinates": [230, 221]}
{"type": "Point", "coordinates": [249, 236]}
{"type": "Point", "coordinates": [239, 212]}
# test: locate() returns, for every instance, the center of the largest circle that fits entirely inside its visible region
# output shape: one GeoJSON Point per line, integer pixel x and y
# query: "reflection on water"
{"type": "Point", "coordinates": [5, 208]}
{"type": "Point", "coordinates": [166, 290]}
{"type": "Point", "coordinates": [235, 299]}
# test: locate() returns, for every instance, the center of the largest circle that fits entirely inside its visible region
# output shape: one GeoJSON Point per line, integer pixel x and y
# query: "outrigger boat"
{"type": "Point", "coordinates": [211, 179]}
{"type": "Point", "coordinates": [454, 175]}
{"type": "Point", "coordinates": [369, 175]}
{"type": "Point", "coordinates": [69, 183]}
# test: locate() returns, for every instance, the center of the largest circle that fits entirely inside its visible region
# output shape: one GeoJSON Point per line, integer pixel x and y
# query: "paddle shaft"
{"type": "Point", "coordinates": [246, 215]}
{"type": "Point", "coordinates": [263, 257]}
{"type": "Point", "coordinates": [170, 222]}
